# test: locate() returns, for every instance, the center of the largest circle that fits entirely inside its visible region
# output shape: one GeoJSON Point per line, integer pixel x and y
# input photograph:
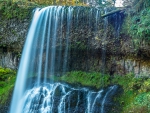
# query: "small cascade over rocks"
{"type": "Point", "coordinates": [54, 33]}
{"type": "Point", "coordinates": [62, 98]}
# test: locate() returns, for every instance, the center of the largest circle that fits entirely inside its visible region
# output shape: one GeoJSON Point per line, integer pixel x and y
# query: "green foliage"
{"type": "Point", "coordinates": [10, 10]}
{"type": "Point", "coordinates": [101, 3]}
{"type": "Point", "coordinates": [7, 81]}
{"type": "Point", "coordinates": [136, 95]}
{"type": "Point", "coordinates": [136, 91]}
{"type": "Point", "coordinates": [4, 73]}
{"type": "Point", "coordinates": [94, 79]}
{"type": "Point", "coordinates": [140, 104]}
{"type": "Point", "coordinates": [137, 22]}
{"type": "Point", "coordinates": [140, 27]}
{"type": "Point", "coordinates": [59, 2]}
{"type": "Point", "coordinates": [142, 99]}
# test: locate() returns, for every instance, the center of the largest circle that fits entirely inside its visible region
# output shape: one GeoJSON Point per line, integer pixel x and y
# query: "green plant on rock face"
{"type": "Point", "coordinates": [140, 26]}
{"type": "Point", "coordinates": [136, 95]}
{"type": "Point", "coordinates": [4, 72]}
{"type": "Point", "coordinates": [140, 104]}
{"type": "Point", "coordinates": [145, 87]}
{"type": "Point", "coordinates": [144, 26]}
{"type": "Point", "coordinates": [137, 23]}
{"type": "Point", "coordinates": [7, 81]}
{"type": "Point", "coordinates": [142, 99]}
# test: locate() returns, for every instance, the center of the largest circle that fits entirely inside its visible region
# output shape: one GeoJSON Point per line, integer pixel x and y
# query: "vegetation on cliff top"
{"type": "Point", "coordinates": [20, 11]}
{"type": "Point", "coordinates": [102, 3]}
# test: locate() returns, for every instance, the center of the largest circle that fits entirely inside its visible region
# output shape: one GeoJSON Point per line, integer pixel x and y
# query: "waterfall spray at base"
{"type": "Point", "coordinates": [47, 53]}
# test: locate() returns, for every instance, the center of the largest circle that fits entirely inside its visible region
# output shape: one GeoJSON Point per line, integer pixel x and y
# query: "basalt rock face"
{"type": "Point", "coordinates": [9, 60]}
{"type": "Point", "coordinates": [12, 37]}
{"type": "Point", "coordinates": [89, 48]}
{"type": "Point", "coordinates": [13, 33]}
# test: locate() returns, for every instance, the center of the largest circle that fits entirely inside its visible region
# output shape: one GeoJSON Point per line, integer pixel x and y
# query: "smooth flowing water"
{"type": "Point", "coordinates": [47, 53]}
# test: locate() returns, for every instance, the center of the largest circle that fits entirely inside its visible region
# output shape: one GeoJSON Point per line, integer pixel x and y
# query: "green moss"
{"type": "Point", "coordinates": [93, 79]}
{"type": "Point", "coordinates": [7, 81]}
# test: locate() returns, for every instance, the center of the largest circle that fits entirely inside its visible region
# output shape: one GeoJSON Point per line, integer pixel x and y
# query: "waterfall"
{"type": "Point", "coordinates": [62, 98]}
{"type": "Point", "coordinates": [104, 44]}
{"type": "Point", "coordinates": [47, 52]}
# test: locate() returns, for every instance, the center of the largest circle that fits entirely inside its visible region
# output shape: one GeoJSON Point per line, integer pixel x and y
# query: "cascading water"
{"type": "Point", "coordinates": [62, 98]}
{"type": "Point", "coordinates": [47, 53]}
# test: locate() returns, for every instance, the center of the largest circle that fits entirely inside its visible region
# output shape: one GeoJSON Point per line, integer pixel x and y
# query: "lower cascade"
{"type": "Point", "coordinates": [62, 98]}
{"type": "Point", "coordinates": [46, 53]}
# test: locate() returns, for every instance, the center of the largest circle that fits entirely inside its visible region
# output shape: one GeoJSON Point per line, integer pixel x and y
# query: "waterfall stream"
{"type": "Point", "coordinates": [47, 53]}
{"type": "Point", "coordinates": [62, 98]}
